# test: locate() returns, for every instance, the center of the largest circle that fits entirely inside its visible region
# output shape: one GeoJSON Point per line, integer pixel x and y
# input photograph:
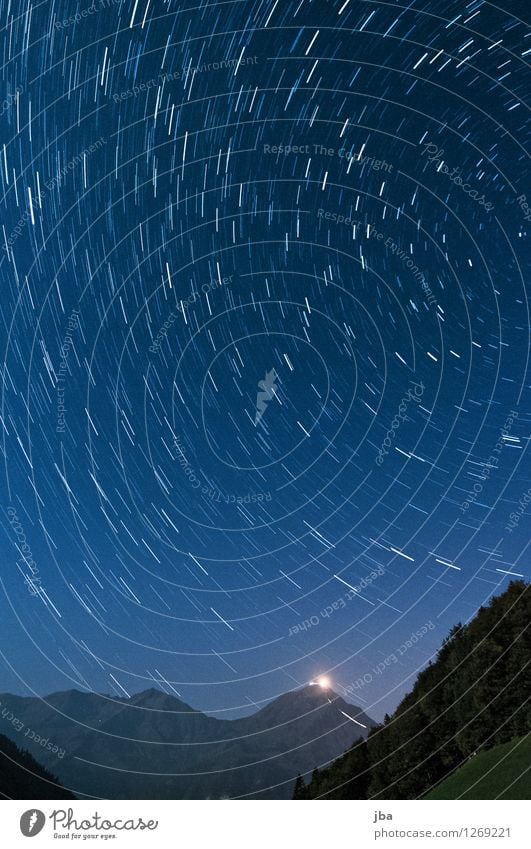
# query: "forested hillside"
{"type": "Point", "coordinates": [21, 777]}
{"type": "Point", "coordinates": [474, 696]}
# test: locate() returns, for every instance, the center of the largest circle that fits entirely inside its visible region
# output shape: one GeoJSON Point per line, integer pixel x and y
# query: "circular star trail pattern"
{"type": "Point", "coordinates": [266, 333]}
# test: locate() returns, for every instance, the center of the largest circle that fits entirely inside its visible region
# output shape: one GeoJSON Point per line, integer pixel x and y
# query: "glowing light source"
{"type": "Point", "coordinates": [323, 682]}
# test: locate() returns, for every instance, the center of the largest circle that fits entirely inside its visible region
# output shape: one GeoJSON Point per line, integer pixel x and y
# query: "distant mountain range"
{"type": "Point", "coordinates": [153, 746]}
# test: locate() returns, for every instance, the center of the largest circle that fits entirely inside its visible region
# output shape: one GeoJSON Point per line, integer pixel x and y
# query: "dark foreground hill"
{"type": "Point", "coordinates": [502, 772]}
{"type": "Point", "coordinates": [474, 696]}
{"type": "Point", "coordinates": [155, 746]}
{"type": "Point", "coordinates": [21, 777]}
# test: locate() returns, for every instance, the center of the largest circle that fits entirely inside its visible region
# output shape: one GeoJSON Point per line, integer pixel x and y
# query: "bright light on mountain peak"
{"type": "Point", "coordinates": [322, 682]}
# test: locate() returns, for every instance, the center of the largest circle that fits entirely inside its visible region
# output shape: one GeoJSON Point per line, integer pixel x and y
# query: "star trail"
{"type": "Point", "coordinates": [265, 340]}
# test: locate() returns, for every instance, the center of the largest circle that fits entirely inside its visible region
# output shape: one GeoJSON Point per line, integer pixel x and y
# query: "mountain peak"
{"type": "Point", "coordinates": [320, 685]}
{"type": "Point", "coordinates": [151, 692]}
{"type": "Point", "coordinates": [312, 693]}
{"type": "Point", "coordinates": [153, 699]}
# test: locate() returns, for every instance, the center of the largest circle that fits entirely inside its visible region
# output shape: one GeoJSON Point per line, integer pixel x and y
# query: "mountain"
{"type": "Point", "coordinates": [473, 697]}
{"type": "Point", "coordinates": [153, 745]}
{"type": "Point", "coordinates": [21, 777]}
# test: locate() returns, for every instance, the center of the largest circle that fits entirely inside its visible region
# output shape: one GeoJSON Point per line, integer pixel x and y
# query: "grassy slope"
{"type": "Point", "coordinates": [490, 774]}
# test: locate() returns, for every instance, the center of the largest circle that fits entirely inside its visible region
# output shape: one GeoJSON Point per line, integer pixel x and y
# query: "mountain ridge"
{"type": "Point", "coordinates": [163, 748]}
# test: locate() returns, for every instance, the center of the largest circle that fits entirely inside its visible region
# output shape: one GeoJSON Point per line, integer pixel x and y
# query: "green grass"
{"type": "Point", "coordinates": [496, 773]}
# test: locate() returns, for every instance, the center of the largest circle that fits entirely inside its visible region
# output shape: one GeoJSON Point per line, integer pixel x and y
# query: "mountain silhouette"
{"type": "Point", "coordinates": [153, 745]}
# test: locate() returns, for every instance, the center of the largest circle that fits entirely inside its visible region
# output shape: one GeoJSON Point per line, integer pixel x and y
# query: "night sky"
{"type": "Point", "coordinates": [265, 336]}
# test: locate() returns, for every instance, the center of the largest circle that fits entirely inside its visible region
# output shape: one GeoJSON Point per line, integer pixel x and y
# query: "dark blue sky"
{"type": "Point", "coordinates": [265, 341]}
